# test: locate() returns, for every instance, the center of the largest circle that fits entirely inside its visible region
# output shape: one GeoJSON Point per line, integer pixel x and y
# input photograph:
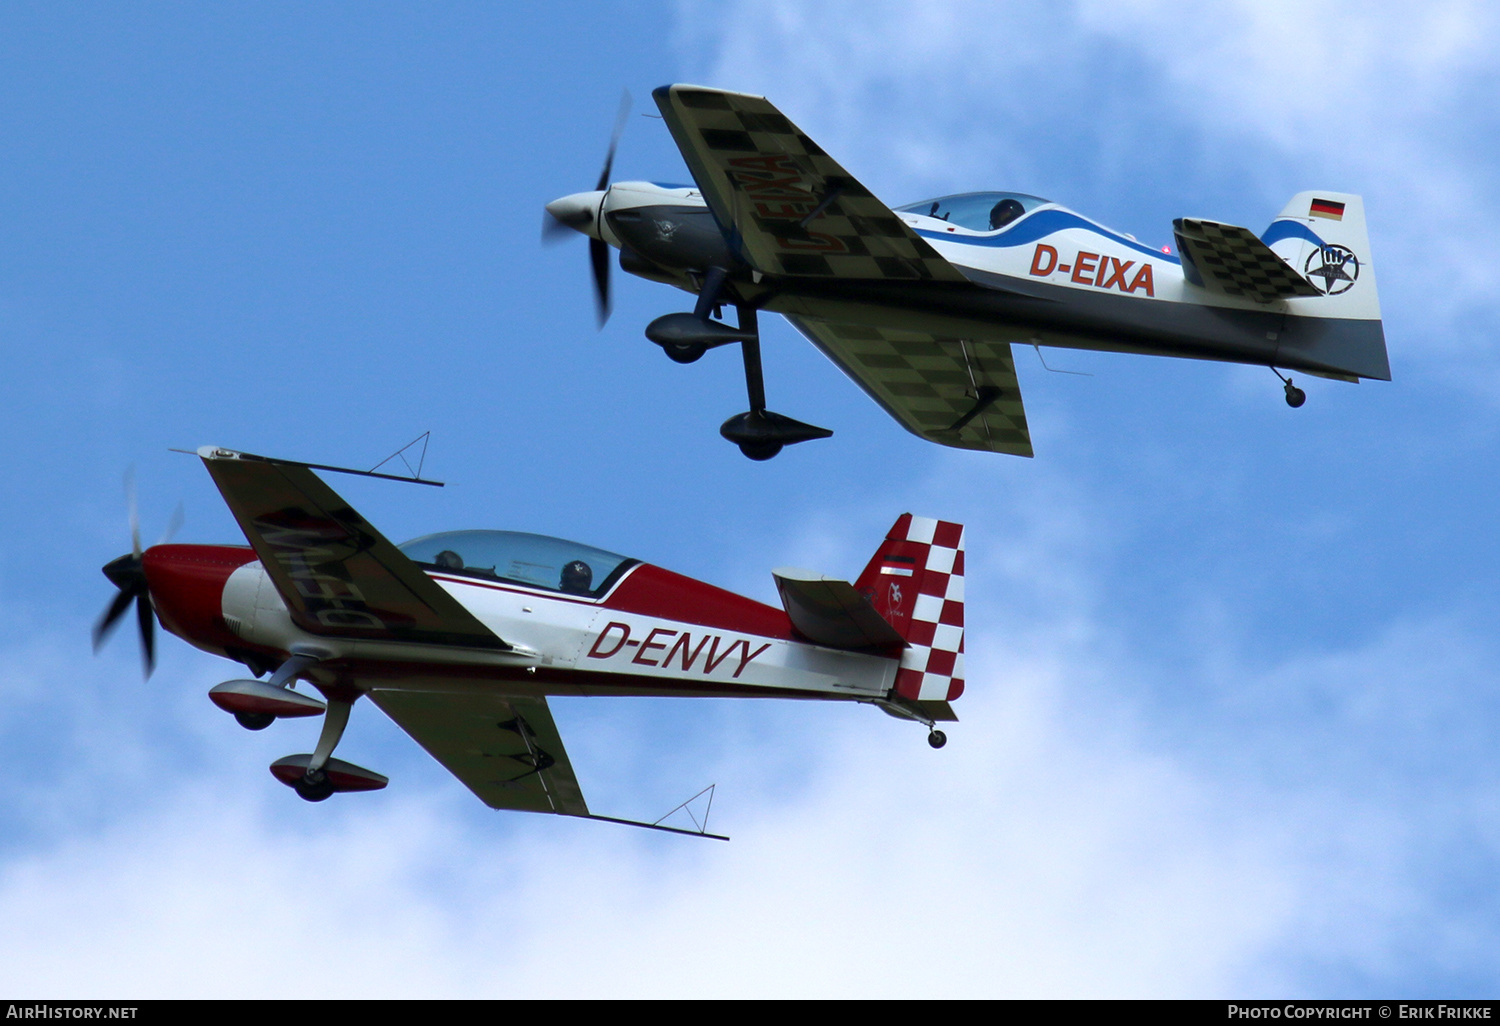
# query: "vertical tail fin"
{"type": "Point", "coordinates": [916, 581]}
{"type": "Point", "coordinates": [1322, 236]}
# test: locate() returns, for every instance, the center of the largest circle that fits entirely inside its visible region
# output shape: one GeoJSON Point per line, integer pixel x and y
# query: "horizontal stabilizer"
{"type": "Point", "coordinates": [831, 612]}
{"type": "Point", "coordinates": [1230, 261]}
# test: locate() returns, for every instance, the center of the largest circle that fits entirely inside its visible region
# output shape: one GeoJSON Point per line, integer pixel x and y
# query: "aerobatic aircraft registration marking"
{"type": "Point", "coordinates": [1092, 269]}
{"type": "Point", "coordinates": [682, 649]}
{"type": "Point", "coordinates": [304, 552]}
{"type": "Point", "coordinates": [772, 178]}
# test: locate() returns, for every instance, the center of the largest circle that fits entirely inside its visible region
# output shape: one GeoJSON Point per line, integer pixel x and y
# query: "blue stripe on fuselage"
{"type": "Point", "coordinates": [1040, 225]}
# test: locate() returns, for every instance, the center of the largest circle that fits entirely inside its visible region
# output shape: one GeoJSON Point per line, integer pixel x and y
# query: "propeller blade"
{"type": "Point", "coordinates": [609, 158]}
{"type": "Point", "coordinates": [174, 525]}
{"type": "Point", "coordinates": [147, 621]}
{"type": "Point", "coordinates": [599, 261]}
{"type": "Point", "coordinates": [111, 617]}
{"type": "Point", "coordinates": [135, 513]}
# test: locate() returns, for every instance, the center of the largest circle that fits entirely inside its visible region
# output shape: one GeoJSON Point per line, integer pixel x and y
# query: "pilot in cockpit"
{"type": "Point", "coordinates": [577, 578]}
{"type": "Point", "coordinates": [1004, 212]}
{"type": "Point", "coordinates": [449, 560]}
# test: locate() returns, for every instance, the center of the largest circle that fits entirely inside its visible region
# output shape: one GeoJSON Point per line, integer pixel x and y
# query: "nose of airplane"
{"type": "Point", "coordinates": [187, 589]}
{"type": "Point", "coordinates": [578, 211]}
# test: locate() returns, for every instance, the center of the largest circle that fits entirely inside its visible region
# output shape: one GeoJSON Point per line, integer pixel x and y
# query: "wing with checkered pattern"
{"type": "Point", "coordinates": [1231, 261]}
{"type": "Point", "coordinates": [788, 207]}
{"type": "Point", "coordinates": [953, 391]}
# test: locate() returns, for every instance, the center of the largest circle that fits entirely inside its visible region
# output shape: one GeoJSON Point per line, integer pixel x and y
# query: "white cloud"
{"type": "Point", "coordinates": [1022, 859]}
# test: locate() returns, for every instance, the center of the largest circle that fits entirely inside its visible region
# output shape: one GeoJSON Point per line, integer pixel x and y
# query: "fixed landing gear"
{"type": "Point", "coordinates": [759, 433]}
{"type": "Point", "coordinates": [906, 709]}
{"type": "Point", "coordinates": [317, 776]}
{"type": "Point", "coordinates": [258, 704]}
{"type": "Point", "coordinates": [313, 786]}
{"type": "Point", "coordinates": [684, 352]}
{"type": "Point", "coordinates": [1295, 397]}
{"type": "Point", "coordinates": [760, 451]}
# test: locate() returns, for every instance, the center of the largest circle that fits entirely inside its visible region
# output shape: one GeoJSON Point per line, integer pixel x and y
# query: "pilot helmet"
{"type": "Point", "coordinates": [577, 576]}
{"type": "Point", "coordinates": [1004, 212]}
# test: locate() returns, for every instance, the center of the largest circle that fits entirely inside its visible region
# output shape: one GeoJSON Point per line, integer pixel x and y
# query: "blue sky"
{"type": "Point", "coordinates": [1233, 685]}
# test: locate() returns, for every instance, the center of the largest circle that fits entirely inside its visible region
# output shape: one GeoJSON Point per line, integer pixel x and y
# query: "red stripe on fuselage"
{"type": "Point", "coordinates": [652, 591]}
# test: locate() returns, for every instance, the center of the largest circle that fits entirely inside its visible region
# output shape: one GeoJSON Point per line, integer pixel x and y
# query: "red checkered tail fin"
{"type": "Point", "coordinates": [916, 582]}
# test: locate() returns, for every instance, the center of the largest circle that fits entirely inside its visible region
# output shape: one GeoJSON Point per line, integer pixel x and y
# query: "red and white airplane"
{"type": "Point", "coordinates": [460, 637]}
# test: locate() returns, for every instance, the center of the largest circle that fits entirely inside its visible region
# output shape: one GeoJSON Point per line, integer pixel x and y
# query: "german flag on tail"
{"type": "Point", "coordinates": [1327, 208]}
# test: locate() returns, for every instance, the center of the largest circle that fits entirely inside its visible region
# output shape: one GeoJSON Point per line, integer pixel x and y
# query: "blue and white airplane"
{"type": "Point", "coordinates": [920, 305]}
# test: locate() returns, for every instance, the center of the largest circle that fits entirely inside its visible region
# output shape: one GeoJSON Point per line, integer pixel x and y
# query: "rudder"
{"type": "Point", "coordinates": [915, 581]}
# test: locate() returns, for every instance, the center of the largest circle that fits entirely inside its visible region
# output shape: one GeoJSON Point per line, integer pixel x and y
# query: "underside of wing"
{"type": "Point", "coordinates": [337, 575]}
{"type": "Point", "coordinates": [789, 208]}
{"type": "Point", "coordinates": [1230, 261]}
{"type": "Point", "coordinates": [504, 748]}
{"type": "Point", "coordinates": [957, 392]}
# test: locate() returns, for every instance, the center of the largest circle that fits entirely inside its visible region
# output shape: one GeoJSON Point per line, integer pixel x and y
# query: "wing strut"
{"type": "Point", "coordinates": [984, 395]}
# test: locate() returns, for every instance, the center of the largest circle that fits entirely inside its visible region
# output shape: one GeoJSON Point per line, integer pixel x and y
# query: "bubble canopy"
{"type": "Point", "coordinates": [976, 210]}
{"type": "Point", "coordinates": [535, 560]}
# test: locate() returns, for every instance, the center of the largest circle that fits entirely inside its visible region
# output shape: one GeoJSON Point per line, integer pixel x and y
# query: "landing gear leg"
{"type": "Point", "coordinates": [905, 709]}
{"type": "Point", "coordinates": [761, 434]}
{"type": "Point", "coordinates": [1295, 397]}
{"type": "Point", "coordinates": [315, 785]}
